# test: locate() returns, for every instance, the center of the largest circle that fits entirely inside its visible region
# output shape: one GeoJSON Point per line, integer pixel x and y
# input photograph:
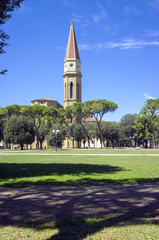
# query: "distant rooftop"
{"type": "Point", "coordinates": [90, 119]}
{"type": "Point", "coordinates": [44, 99]}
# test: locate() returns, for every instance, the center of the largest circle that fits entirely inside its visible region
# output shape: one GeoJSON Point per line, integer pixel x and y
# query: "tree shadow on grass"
{"type": "Point", "coordinates": [14, 170]}
{"type": "Point", "coordinates": [23, 175]}
{"type": "Point", "coordinates": [68, 208]}
{"type": "Point", "coordinates": [80, 228]}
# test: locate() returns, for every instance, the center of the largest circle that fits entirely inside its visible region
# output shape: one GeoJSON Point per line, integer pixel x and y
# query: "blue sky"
{"type": "Point", "coordinates": [118, 43]}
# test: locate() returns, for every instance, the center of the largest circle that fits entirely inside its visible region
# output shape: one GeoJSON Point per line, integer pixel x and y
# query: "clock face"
{"type": "Point", "coordinates": [71, 65]}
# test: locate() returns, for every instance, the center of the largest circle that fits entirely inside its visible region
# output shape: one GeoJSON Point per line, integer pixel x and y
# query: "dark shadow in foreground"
{"type": "Point", "coordinates": [67, 208]}
{"type": "Point", "coordinates": [14, 170]}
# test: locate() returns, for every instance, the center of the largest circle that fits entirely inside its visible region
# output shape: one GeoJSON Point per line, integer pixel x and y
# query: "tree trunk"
{"type": "Point", "coordinates": [21, 146]}
{"type": "Point", "coordinates": [41, 145]}
{"type": "Point", "coordinates": [37, 139]}
{"type": "Point", "coordinates": [145, 143]}
{"type": "Point", "coordinates": [153, 134]}
{"type": "Point", "coordinates": [6, 145]}
{"type": "Point", "coordinates": [135, 142]}
{"type": "Point", "coordinates": [101, 143]}
{"type": "Point", "coordinates": [86, 134]}
{"type": "Point", "coordinates": [88, 142]}
{"type": "Point", "coordinates": [100, 132]}
{"type": "Point", "coordinates": [72, 142]}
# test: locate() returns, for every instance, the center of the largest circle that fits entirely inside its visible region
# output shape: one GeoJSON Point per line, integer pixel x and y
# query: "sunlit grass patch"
{"type": "Point", "coordinates": [20, 171]}
{"type": "Point", "coordinates": [90, 228]}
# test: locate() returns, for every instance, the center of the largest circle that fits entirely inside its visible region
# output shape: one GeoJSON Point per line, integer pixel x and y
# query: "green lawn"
{"type": "Point", "coordinates": [94, 228]}
{"type": "Point", "coordinates": [33, 170]}
{"type": "Point", "coordinates": [88, 151]}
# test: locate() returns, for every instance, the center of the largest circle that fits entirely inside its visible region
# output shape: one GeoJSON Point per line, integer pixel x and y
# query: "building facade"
{"type": "Point", "coordinates": [47, 102]}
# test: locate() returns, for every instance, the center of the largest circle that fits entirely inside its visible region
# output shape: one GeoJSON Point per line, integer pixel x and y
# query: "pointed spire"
{"type": "Point", "coordinates": [72, 49]}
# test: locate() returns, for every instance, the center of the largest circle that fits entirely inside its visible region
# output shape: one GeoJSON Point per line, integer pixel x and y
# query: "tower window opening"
{"type": "Point", "coordinates": [71, 90]}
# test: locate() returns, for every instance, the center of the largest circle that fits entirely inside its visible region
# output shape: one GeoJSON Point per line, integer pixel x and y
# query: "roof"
{"type": "Point", "coordinates": [90, 119]}
{"type": "Point", "coordinates": [72, 49]}
{"type": "Point", "coordinates": [44, 99]}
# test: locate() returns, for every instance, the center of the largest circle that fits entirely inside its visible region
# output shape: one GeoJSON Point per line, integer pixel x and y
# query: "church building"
{"type": "Point", "coordinates": [72, 82]}
{"type": "Point", "coordinates": [72, 76]}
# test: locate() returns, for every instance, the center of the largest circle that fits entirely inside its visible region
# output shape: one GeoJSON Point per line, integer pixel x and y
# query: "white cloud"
{"type": "Point", "coordinates": [66, 3]}
{"type": "Point", "coordinates": [77, 18]}
{"type": "Point", "coordinates": [85, 23]}
{"type": "Point", "coordinates": [103, 10]}
{"type": "Point", "coordinates": [86, 46]}
{"type": "Point", "coordinates": [132, 44]}
{"type": "Point", "coordinates": [154, 4]}
{"type": "Point", "coordinates": [101, 14]}
{"type": "Point", "coordinates": [131, 10]}
{"type": "Point", "coordinates": [96, 18]}
{"type": "Point", "coordinates": [125, 44]}
{"type": "Point", "coordinates": [84, 33]}
{"type": "Point", "coordinates": [152, 33]}
{"type": "Point", "coordinates": [148, 97]}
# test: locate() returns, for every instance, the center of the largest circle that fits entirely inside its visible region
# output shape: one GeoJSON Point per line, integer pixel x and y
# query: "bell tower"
{"type": "Point", "coordinates": [72, 71]}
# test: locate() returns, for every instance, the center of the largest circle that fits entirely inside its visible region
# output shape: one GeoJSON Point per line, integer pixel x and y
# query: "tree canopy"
{"type": "Point", "coordinates": [127, 124]}
{"type": "Point", "coordinates": [151, 109]}
{"type": "Point", "coordinates": [57, 132]}
{"type": "Point", "coordinates": [97, 109]}
{"type": "Point", "coordinates": [76, 122]}
{"type": "Point", "coordinates": [19, 130]}
{"type": "Point", "coordinates": [39, 114]}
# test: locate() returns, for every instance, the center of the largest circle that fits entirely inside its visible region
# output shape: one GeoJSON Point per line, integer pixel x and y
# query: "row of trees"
{"type": "Point", "coordinates": [147, 122]}
{"type": "Point", "coordinates": [45, 118]}
{"type": "Point", "coordinates": [24, 124]}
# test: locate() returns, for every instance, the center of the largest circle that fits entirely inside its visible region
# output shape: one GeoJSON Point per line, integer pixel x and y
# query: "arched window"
{"type": "Point", "coordinates": [78, 90]}
{"type": "Point", "coordinates": [71, 90]}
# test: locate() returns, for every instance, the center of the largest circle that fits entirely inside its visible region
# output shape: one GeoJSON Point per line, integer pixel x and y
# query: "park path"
{"type": "Point", "coordinates": [20, 205]}
{"type": "Point", "coordinates": [75, 154]}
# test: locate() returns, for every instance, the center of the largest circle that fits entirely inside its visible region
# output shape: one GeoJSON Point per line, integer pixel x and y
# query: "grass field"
{"type": "Point", "coordinates": [87, 151]}
{"type": "Point", "coordinates": [32, 170]}
{"type": "Point", "coordinates": [20, 170]}
{"type": "Point", "coordinates": [95, 228]}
